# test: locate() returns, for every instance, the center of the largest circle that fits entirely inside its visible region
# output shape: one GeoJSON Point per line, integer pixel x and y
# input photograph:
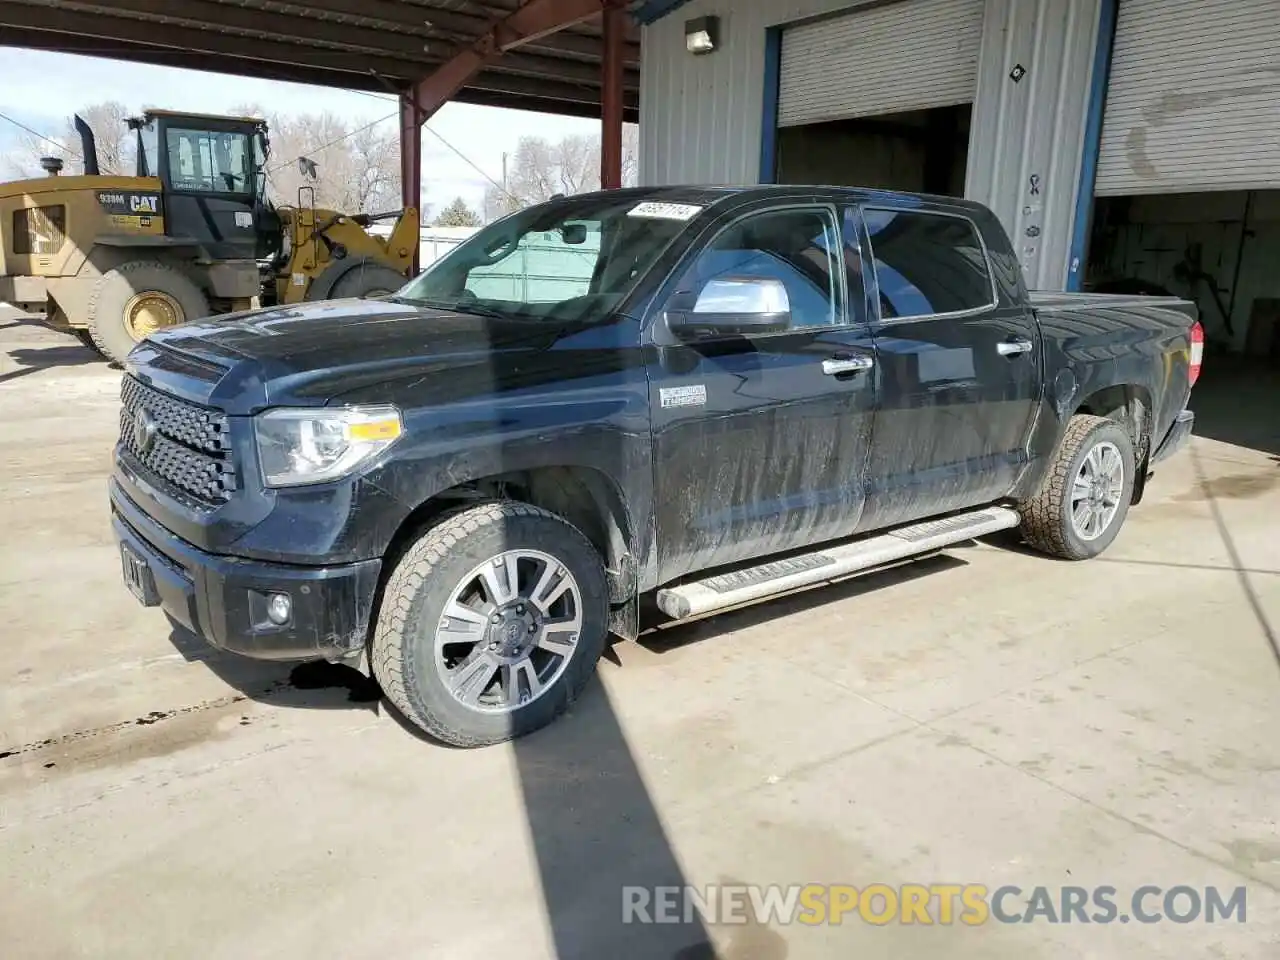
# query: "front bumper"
{"type": "Point", "coordinates": [1177, 437]}
{"type": "Point", "coordinates": [224, 599]}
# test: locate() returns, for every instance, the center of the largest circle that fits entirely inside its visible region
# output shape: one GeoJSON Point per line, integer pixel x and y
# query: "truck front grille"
{"type": "Point", "coordinates": [184, 444]}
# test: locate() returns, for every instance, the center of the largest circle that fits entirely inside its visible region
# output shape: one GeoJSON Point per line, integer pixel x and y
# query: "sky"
{"type": "Point", "coordinates": [42, 89]}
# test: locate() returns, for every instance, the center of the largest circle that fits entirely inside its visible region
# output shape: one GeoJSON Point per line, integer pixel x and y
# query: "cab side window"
{"type": "Point", "coordinates": [800, 248]}
{"type": "Point", "coordinates": [928, 264]}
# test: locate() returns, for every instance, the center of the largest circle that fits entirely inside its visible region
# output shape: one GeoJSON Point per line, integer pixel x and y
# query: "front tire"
{"type": "Point", "coordinates": [1084, 498]}
{"type": "Point", "coordinates": [135, 300]}
{"type": "Point", "coordinates": [81, 334]}
{"type": "Point", "coordinates": [491, 624]}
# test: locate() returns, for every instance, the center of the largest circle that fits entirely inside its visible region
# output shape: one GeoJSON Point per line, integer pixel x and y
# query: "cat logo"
{"type": "Point", "coordinates": [143, 204]}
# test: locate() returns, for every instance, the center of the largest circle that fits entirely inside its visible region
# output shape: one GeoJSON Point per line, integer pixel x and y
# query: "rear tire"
{"type": "Point", "coordinates": [1084, 498]}
{"type": "Point", "coordinates": [474, 654]}
{"type": "Point", "coordinates": [136, 299]}
{"type": "Point", "coordinates": [367, 280]}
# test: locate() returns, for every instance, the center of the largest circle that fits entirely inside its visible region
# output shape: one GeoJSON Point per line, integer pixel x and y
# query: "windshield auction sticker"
{"type": "Point", "coordinates": [654, 210]}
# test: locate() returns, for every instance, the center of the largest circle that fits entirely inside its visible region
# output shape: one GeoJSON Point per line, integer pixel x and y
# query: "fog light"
{"type": "Point", "coordinates": [279, 608]}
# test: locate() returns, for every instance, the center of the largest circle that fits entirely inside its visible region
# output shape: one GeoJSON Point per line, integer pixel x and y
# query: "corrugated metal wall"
{"type": "Point", "coordinates": [1025, 149]}
{"type": "Point", "coordinates": [700, 117]}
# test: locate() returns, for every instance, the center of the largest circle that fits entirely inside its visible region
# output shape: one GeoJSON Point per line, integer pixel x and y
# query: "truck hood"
{"type": "Point", "coordinates": [312, 354]}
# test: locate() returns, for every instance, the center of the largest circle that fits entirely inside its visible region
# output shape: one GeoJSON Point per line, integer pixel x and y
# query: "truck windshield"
{"type": "Point", "coordinates": [566, 260]}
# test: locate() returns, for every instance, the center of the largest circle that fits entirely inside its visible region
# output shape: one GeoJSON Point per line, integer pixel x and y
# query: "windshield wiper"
{"type": "Point", "coordinates": [480, 311]}
{"type": "Point", "coordinates": [468, 307]}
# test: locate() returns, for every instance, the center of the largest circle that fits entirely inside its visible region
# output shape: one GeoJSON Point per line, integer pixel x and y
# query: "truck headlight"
{"type": "Point", "coordinates": [312, 445]}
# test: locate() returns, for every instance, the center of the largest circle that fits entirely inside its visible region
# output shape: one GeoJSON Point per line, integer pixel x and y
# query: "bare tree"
{"type": "Point", "coordinates": [115, 143]}
{"type": "Point", "coordinates": [539, 169]}
{"type": "Point", "coordinates": [357, 167]}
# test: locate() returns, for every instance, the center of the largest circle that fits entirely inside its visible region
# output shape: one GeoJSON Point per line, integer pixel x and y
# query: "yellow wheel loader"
{"type": "Point", "coordinates": [192, 234]}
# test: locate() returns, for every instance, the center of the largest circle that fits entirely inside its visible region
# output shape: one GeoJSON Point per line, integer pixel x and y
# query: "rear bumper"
{"type": "Point", "coordinates": [224, 599]}
{"type": "Point", "coordinates": [1177, 437]}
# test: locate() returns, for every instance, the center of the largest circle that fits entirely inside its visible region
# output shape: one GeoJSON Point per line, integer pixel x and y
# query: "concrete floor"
{"type": "Point", "coordinates": [988, 716]}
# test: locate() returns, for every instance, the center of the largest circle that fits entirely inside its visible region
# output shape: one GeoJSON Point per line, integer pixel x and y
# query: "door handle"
{"type": "Point", "coordinates": [1013, 346]}
{"type": "Point", "coordinates": [838, 365]}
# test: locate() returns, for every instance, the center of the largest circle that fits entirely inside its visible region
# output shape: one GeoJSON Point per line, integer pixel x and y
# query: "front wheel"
{"type": "Point", "coordinates": [1084, 498]}
{"type": "Point", "coordinates": [491, 623]}
{"type": "Point", "coordinates": [136, 299]}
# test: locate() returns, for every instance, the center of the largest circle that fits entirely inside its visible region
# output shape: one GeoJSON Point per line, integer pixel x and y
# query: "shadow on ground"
{"type": "Point", "coordinates": [312, 685]}
{"type": "Point", "coordinates": [591, 820]}
{"type": "Point", "coordinates": [34, 360]}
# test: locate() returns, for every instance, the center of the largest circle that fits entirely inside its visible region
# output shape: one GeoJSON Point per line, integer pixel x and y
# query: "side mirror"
{"type": "Point", "coordinates": [731, 305]}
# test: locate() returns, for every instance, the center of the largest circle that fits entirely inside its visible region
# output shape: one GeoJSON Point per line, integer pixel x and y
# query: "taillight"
{"type": "Point", "coordinates": [1197, 352]}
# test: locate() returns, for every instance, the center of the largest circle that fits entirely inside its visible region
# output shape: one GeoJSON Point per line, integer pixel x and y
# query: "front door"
{"type": "Point", "coordinates": [209, 196]}
{"type": "Point", "coordinates": [960, 365]}
{"type": "Point", "coordinates": [761, 438]}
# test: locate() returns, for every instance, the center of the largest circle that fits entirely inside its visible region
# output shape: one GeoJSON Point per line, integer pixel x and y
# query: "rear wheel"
{"type": "Point", "coordinates": [368, 280]}
{"type": "Point", "coordinates": [491, 624]}
{"type": "Point", "coordinates": [1084, 498]}
{"type": "Point", "coordinates": [135, 300]}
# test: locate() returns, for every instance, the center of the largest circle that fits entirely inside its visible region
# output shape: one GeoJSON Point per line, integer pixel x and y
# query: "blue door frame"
{"type": "Point", "coordinates": [1082, 222]}
{"type": "Point", "coordinates": [769, 109]}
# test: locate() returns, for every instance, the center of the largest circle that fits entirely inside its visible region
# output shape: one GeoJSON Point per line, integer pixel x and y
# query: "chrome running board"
{"type": "Point", "coordinates": [830, 563]}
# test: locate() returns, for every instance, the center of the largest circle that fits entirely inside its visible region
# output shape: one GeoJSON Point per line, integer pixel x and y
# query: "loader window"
{"type": "Point", "coordinates": [151, 148]}
{"type": "Point", "coordinates": [208, 161]}
{"type": "Point", "coordinates": [39, 230]}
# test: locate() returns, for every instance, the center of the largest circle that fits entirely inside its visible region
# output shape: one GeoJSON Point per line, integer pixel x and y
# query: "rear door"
{"type": "Point", "coordinates": [761, 439]}
{"type": "Point", "coordinates": [959, 360]}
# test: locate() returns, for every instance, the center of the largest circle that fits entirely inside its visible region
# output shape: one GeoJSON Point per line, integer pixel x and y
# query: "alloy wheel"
{"type": "Point", "coordinates": [508, 630]}
{"type": "Point", "coordinates": [1096, 491]}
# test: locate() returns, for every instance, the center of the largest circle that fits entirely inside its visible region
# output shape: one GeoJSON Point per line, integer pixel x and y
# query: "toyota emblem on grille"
{"type": "Point", "coordinates": [144, 430]}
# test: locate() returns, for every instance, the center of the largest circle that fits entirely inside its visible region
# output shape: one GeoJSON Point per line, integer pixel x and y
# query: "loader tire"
{"type": "Point", "coordinates": [474, 654]}
{"type": "Point", "coordinates": [83, 335]}
{"type": "Point", "coordinates": [367, 280]}
{"type": "Point", "coordinates": [1084, 497]}
{"type": "Point", "coordinates": [138, 298]}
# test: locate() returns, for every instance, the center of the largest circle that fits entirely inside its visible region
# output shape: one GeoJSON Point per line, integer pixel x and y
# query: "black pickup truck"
{"type": "Point", "coordinates": [684, 397]}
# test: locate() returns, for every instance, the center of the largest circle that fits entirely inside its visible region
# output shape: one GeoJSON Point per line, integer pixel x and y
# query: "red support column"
{"type": "Point", "coordinates": [615, 28]}
{"type": "Point", "coordinates": [411, 159]}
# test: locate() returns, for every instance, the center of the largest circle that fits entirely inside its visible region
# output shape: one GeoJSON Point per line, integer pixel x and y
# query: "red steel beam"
{"type": "Point", "coordinates": [411, 163]}
{"type": "Point", "coordinates": [611, 105]}
{"type": "Point", "coordinates": [535, 19]}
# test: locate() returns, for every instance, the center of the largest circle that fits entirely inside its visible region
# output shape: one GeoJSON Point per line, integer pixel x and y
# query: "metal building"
{"type": "Point", "coordinates": [1124, 144]}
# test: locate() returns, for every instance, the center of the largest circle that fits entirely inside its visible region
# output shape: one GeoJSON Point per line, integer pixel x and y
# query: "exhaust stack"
{"type": "Point", "coordinates": [88, 147]}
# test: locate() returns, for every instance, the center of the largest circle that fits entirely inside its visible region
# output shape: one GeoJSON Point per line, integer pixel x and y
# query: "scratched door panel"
{"type": "Point", "coordinates": [952, 425]}
{"type": "Point", "coordinates": [757, 450]}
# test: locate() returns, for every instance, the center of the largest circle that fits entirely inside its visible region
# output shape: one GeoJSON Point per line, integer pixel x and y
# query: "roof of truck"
{"type": "Point", "coordinates": [707, 195]}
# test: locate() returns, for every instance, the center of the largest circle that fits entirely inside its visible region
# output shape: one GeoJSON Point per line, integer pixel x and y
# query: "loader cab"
{"type": "Point", "coordinates": [211, 172]}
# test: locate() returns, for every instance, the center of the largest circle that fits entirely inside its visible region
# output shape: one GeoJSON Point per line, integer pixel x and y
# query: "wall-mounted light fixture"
{"type": "Point", "coordinates": [702, 34]}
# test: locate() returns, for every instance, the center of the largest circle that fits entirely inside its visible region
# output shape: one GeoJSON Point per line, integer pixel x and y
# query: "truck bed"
{"type": "Point", "coordinates": [1058, 300]}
